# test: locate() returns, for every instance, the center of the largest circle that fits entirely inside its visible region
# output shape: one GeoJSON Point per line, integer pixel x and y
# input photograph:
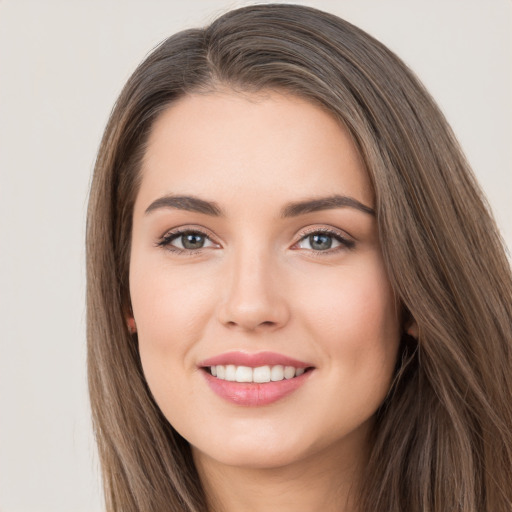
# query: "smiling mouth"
{"type": "Point", "coordinates": [257, 379]}
{"type": "Point", "coordinates": [259, 375]}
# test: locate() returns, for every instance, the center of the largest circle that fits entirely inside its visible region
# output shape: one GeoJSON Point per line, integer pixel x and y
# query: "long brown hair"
{"type": "Point", "coordinates": [443, 437]}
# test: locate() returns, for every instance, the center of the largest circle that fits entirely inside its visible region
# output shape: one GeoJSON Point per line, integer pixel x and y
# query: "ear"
{"type": "Point", "coordinates": [132, 327]}
{"type": "Point", "coordinates": [411, 328]}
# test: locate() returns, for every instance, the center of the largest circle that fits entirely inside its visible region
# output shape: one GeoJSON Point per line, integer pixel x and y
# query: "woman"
{"type": "Point", "coordinates": [296, 294]}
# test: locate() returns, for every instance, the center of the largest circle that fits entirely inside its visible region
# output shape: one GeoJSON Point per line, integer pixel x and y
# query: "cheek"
{"type": "Point", "coordinates": [356, 327]}
{"type": "Point", "coordinates": [171, 311]}
{"type": "Point", "coordinates": [170, 308]}
{"type": "Point", "coordinates": [354, 315]}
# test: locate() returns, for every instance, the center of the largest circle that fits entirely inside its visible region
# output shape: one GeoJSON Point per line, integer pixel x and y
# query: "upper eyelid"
{"type": "Point", "coordinates": [188, 229]}
{"type": "Point", "coordinates": [325, 229]}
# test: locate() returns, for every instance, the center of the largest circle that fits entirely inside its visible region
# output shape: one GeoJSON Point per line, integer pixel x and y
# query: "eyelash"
{"type": "Point", "coordinates": [166, 241]}
{"type": "Point", "coordinates": [345, 243]}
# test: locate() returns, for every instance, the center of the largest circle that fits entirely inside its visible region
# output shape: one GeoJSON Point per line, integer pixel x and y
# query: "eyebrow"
{"type": "Point", "coordinates": [188, 203]}
{"type": "Point", "coordinates": [194, 204]}
{"type": "Point", "coordinates": [324, 203]}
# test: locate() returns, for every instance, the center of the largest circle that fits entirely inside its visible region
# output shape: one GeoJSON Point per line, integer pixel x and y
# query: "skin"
{"type": "Point", "coordinates": [259, 285]}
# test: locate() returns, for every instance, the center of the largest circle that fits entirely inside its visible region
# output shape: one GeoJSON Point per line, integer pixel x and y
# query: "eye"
{"type": "Point", "coordinates": [186, 240]}
{"type": "Point", "coordinates": [322, 241]}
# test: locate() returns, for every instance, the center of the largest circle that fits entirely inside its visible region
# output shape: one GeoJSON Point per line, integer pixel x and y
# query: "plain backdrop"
{"type": "Point", "coordinates": [62, 64]}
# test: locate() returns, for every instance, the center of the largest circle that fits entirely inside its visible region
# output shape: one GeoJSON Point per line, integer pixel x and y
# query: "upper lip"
{"type": "Point", "coordinates": [253, 360]}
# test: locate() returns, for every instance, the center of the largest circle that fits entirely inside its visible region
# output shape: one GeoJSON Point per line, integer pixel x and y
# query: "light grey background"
{"type": "Point", "coordinates": [62, 64]}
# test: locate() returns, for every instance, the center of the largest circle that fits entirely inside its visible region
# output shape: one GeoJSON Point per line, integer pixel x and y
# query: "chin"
{"type": "Point", "coordinates": [262, 448]}
{"type": "Point", "coordinates": [251, 457]}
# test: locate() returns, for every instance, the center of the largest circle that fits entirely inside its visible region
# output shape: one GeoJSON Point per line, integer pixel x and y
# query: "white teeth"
{"type": "Point", "coordinates": [289, 372]}
{"type": "Point", "coordinates": [243, 374]}
{"type": "Point", "coordinates": [231, 372]}
{"type": "Point", "coordinates": [221, 372]}
{"type": "Point", "coordinates": [260, 374]}
{"type": "Point", "coordinates": [277, 373]}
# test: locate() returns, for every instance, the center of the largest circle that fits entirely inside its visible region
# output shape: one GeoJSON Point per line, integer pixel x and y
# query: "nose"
{"type": "Point", "coordinates": [255, 297]}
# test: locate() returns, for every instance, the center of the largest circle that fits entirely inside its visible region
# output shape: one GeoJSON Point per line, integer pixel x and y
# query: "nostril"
{"type": "Point", "coordinates": [253, 326]}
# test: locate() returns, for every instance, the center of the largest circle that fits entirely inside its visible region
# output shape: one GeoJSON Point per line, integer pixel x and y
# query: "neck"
{"type": "Point", "coordinates": [327, 481]}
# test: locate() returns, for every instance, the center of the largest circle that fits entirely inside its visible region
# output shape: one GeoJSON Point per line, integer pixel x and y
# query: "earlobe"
{"type": "Point", "coordinates": [132, 327]}
{"type": "Point", "coordinates": [412, 329]}
{"type": "Point", "coordinates": [409, 324]}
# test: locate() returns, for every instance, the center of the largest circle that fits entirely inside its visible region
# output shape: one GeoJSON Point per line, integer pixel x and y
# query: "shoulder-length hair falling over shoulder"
{"type": "Point", "coordinates": [442, 439]}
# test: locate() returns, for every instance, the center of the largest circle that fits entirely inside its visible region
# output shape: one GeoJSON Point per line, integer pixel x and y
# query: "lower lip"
{"type": "Point", "coordinates": [252, 394]}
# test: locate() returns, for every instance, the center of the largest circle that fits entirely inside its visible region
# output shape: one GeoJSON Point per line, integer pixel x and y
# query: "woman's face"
{"type": "Point", "coordinates": [255, 256]}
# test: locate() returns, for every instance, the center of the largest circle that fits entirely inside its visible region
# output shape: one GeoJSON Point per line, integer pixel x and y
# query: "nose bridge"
{"type": "Point", "coordinates": [253, 297]}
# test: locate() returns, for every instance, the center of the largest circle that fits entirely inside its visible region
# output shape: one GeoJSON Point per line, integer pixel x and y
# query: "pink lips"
{"type": "Point", "coordinates": [252, 393]}
{"type": "Point", "coordinates": [253, 360]}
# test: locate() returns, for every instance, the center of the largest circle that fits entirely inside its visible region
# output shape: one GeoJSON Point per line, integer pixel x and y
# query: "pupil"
{"type": "Point", "coordinates": [192, 241]}
{"type": "Point", "coordinates": [320, 242]}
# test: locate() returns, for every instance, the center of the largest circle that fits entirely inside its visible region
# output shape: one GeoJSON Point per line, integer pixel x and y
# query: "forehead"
{"type": "Point", "coordinates": [249, 146]}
